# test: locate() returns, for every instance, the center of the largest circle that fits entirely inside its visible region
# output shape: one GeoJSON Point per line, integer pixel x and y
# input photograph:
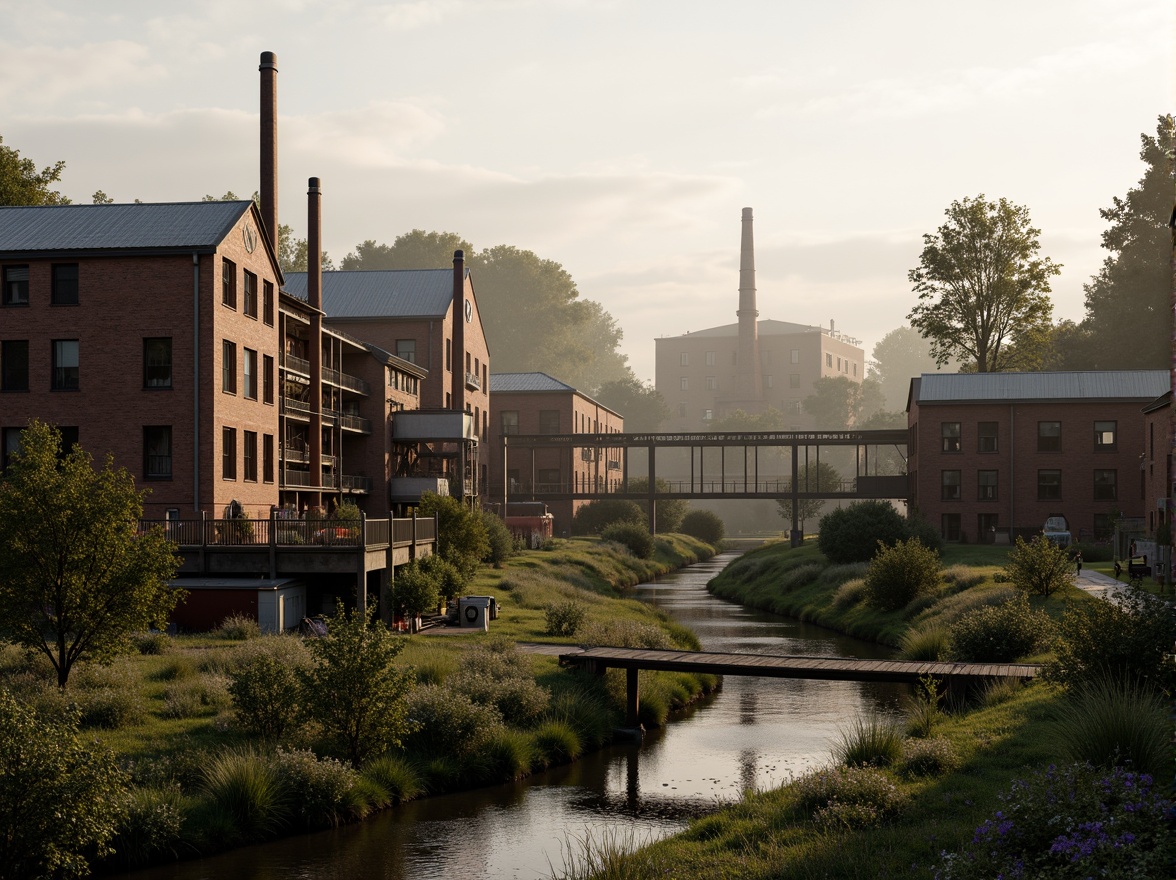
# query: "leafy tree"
{"type": "Point", "coordinates": [669, 511]}
{"type": "Point", "coordinates": [835, 402]}
{"type": "Point", "coordinates": [899, 356]}
{"type": "Point", "coordinates": [983, 291]}
{"type": "Point", "coordinates": [22, 184]}
{"type": "Point", "coordinates": [770, 419]}
{"type": "Point", "coordinates": [810, 478]}
{"type": "Point", "coordinates": [415, 590]}
{"type": "Point", "coordinates": [60, 801]}
{"type": "Point", "coordinates": [593, 517]}
{"type": "Point", "coordinates": [294, 253]}
{"type": "Point", "coordinates": [266, 696]}
{"type": "Point", "coordinates": [641, 405]}
{"type": "Point", "coordinates": [449, 580]}
{"type": "Point", "coordinates": [901, 572]}
{"type": "Point", "coordinates": [1039, 567]}
{"type": "Point", "coordinates": [704, 525]}
{"type": "Point", "coordinates": [462, 537]}
{"type": "Point", "coordinates": [101, 198]}
{"type": "Point", "coordinates": [852, 534]}
{"type": "Point", "coordinates": [79, 575]}
{"type": "Point", "coordinates": [1127, 302]}
{"type": "Point", "coordinates": [354, 688]}
{"type": "Point", "coordinates": [413, 250]}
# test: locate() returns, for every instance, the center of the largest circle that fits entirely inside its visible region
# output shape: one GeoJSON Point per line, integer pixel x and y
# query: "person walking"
{"type": "Point", "coordinates": [1078, 560]}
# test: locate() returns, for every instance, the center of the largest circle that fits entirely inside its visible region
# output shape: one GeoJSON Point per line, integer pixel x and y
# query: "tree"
{"type": "Point", "coordinates": [852, 534]}
{"type": "Point", "coordinates": [412, 250]}
{"type": "Point", "coordinates": [79, 574]}
{"type": "Point", "coordinates": [294, 253]}
{"type": "Point", "coordinates": [1039, 567]}
{"type": "Point", "coordinates": [101, 198]}
{"type": "Point", "coordinates": [704, 525]}
{"type": "Point", "coordinates": [668, 511]}
{"type": "Point", "coordinates": [1127, 302]}
{"type": "Point", "coordinates": [461, 538]}
{"type": "Point", "coordinates": [835, 403]}
{"type": "Point", "coordinates": [899, 356]}
{"type": "Point", "coordinates": [355, 690]}
{"type": "Point", "coordinates": [641, 405]}
{"type": "Point", "coordinates": [22, 184]}
{"type": "Point", "coordinates": [810, 478]}
{"type": "Point", "coordinates": [415, 590]}
{"type": "Point", "coordinates": [983, 291]}
{"type": "Point", "coordinates": [60, 801]}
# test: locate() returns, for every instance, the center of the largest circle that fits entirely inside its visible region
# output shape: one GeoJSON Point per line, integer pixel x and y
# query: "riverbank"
{"type": "Point", "coordinates": [169, 714]}
{"type": "Point", "coordinates": [931, 794]}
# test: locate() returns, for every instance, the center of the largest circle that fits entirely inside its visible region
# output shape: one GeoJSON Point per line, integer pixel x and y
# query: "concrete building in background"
{"type": "Point", "coordinates": [751, 365]}
{"type": "Point", "coordinates": [993, 455]}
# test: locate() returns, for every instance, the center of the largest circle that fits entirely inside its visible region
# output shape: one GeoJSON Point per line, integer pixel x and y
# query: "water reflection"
{"type": "Point", "coordinates": [755, 733]}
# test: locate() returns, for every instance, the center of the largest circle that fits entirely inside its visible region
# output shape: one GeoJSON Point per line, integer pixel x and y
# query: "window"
{"type": "Point", "coordinates": [16, 285]}
{"type": "Point", "coordinates": [267, 378]}
{"type": "Point", "coordinates": [855, 370]}
{"type": "Point", "coordinates": [250, 453]}
{"type": "Point", "coordinates": [839, 365]}
{"type": "Point", "coordinates": [828, 360]}
{"type": "Point", "coordinates": [549, 479]}
{"type": "Point", "coordinates": [1103, 527]}
{"type": "Point", "coordinates": [792, 407]}
{"type": "Point", "coordinates": [249, 374]}
{"type": "Point", "coordinates": [229, 453]}
{"type": "Point", "coordinates": [11, 446]}
{"type": "Point", "coordinates": [950, 433]}
{"type": "Point", "coordinates": [65, 284]}
{"type": "Point", "coordinates": [1049, 485]}
{"type": "Point", "coordinates": [69, 438]}
{"type": "Point", "coordinates": [1049, 436]}
{"type": "Point", "coordinates": [794, 380]}
{"type": "Point", "coordinates": [229, 367]}
{"type": "Point", "coordinates": [65, 365]}
{"type": "Point", "coordinates": [406, 350]}
{"type": "Point", "coordinates": [249, 295]}
{"type": "Point", "coordinates": [712, 383]}
{"type": "Point", "coordinates": [229, 283]}
{"type": "Point", "coordinates": [267, 302]}
{"type": "Point", "coordinates": [795, 356]}
{"type": "Point", "coordinates": [157, 452]}
{"type": "Point", "coordinates": [510, 421]}
{"type": "Point", "coordinates": [769, 382]}
{"type": "Point", "coordinates": [950, 524]}
{"type": "Point", "coordinates": [986, 437]}
{"type": "Point", "coordinates": [549, 421]}
{"type": "Point", "coordinates": [267, 458]}
{"type": "Point", "coordinates": [710, 358]}
{"type": "Point", "coordinates": [1106, 486]}
{"type": "Point", "coordinates": [986, 485]}
{"type": "Point", "coordinates": [950, 486]}
{"type": "Point", "coordinates": [684, 359]}
{"type": "Point", "coordinates": [14, 365]}
{"type": "Point", "coordinates": [986, 525]}
{"type": "Point", "coordinates": [157, 362]}
{"type": "Point", "coordinates": [685, 383]}
{"type": "Point", "coordinates": [449, 354]}
{"type": "Point", "coordinates": [681, 410]}
{"type": "Point", "coordinates": [1106, 436]}
{"type": "Point", "coordinates": [708, 415]}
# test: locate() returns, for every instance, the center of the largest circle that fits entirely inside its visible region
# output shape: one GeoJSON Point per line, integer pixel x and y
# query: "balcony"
{"type": "Point", "coordinates": [473, 381]}
{"type": "Point", "coordinates": [344, 380]}
{"type": "Point", "coordinates": [347, 421]}
{"type": "Point", "coordinates": [295, 364]}
{"type": "Point", "coordinates": [353, 423]}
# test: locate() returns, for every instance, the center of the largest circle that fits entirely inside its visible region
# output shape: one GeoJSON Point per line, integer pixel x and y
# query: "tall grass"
{"type": "Point", "coordinates": [612, 855]}
{"type": "Point", "coordinates": [928, 641]}
{"type": "Point", "coordinates": [245, 789]}
{"type": "Point", "coordinates": [872, 740]}
{"type": "Point", "coordinates": [396, 777]}
{"type": "Point", "coordinates": [1112, 723]}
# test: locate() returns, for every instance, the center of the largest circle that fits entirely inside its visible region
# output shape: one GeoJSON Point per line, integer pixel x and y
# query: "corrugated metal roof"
{"type": "Point", "coordinates": [63, 228]}
{"type": "Point", "coordinates": [385, 293]}
{"type": "Point", "coordinates": [1092, 385]}
{"type": "Point", "coordinates": [766, 327]}
{"type": "Point", "coordinates": [506, 382]}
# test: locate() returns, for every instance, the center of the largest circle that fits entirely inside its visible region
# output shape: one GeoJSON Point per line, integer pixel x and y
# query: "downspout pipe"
{"type": "Point", "coordinates": [195, 382]}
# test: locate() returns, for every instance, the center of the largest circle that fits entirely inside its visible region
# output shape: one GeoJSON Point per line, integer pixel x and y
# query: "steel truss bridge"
{"type": "Point", "coordinates": [720, 465]}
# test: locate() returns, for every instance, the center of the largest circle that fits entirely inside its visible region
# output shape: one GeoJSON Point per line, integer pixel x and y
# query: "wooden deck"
{"type": "Point", "coordinates": [775, 666]}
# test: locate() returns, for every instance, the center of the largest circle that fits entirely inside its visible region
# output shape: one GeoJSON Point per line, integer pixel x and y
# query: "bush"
{"type": "Point", "coordinates": [1000, 633]}
{"type": "Point", "coordinates": [565, 618]}
{"type": "Point", "coordinates": [496, 674]}
{"type": "Point", "coordinates": [634, 537]}
{"type": "Point", "coordinates": [266, 697]}
{"type": "Point", "coordinates": [462, 538]}
{"type": "Point", "coordinates": [321, 792]}
{"type": "Point", "coordinates": [1125, 639]}
{"type": "Point", "coordinates": [111, 707]}
{"type": "Point", "coordinates": [1108, 723]}
{"type": "Point", "coordinates": [194, 698]}
{"type": "Point", "coordinates": [1040, 567]}
{"type": "Point", "coordinates": [870, 741]}
{"type": "Point", "coordinates": [415, 590]}
{"type": "Point", "coordinates": [962, 577]}
{"type": "Point", "coordinates": [850, 593]}
{"type": "Point", "coordinates": [446, 722]}
{"type": "Point", "coordinates": [925, 533]}
{"type": "Point", "coordinates": [238, 627]}
{"type": "Point", "coordinates": [449, 580]}
{"type": "Point", "coordinates": [928, 757]}
{"type": "Point", "coordinates": [851, 534]}
{"type": "Point", "coordinates": [153, 643]}
{"type": "Point", "coordinates": [557, 742]}
{"type": "Point", "coordinates": [1070, 822]}
{"type": "Point", "coordinates": [504, 755]}
{"type": "Point", "coordinates": [501, 541]}
{"type": "Point", "coordinates": [150, 827]}
{"type": "Point", "coordinates": [900, 573]}
{"type": "Point", "coordinates": [624, 634]}
{"type": "Point", "coordinates": [704, 525]}
{"type": "Point", "coordinates": [848, 797]}
{"type": "Point", "coordinates": [1093, 552]}
{"type": "Point", "coordinates": [594, 517]}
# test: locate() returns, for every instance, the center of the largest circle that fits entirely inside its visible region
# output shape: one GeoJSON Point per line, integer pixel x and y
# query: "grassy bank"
{"type": "Point", "coordinates": [485, 712]}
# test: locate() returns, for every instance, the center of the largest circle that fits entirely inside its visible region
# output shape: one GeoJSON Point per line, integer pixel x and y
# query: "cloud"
{"type": "Point", "coordinates": [38, 75]}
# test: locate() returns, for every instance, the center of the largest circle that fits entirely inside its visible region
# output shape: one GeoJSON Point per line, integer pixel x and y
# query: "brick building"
{"type": "Point", "coordinates": [535, 403]}
{"type": "Point", "coordinates": [1157, 460]}
{"type": "Point", "coordinates": [995, 454]}
{"type": "Point", "coordinates": [751, 365]}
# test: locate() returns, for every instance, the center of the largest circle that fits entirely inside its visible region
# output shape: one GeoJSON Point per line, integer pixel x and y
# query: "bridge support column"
{"type": "Point", "coordinates": [632, 696]}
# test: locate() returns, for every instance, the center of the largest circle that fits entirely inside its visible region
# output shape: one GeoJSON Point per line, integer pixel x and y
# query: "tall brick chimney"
{"type": "Point", "coordinates": [269, 145]}
{"type": "Point", "coordinates": [749, 373]}
{"type": "Point", "coordinates": [314, 296]}
{"type": "Point", "coordinates": [459, 322]}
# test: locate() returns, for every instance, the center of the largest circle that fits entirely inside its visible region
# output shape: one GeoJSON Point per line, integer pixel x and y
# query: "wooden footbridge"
{"type": "Point", "coordinates": [632, 660]}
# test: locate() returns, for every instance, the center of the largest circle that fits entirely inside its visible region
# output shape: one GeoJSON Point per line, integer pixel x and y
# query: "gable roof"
{"type": "Point", "coordinates": [45, 230]}
{"type": "Point", "coordinates": [383, 293]}
{"type": "Point", "coordinates": [1142, 385]}
{"type": "Point", "coordinates": [508, 382]}
{"type": "Point", "coordinates": [766, 327]}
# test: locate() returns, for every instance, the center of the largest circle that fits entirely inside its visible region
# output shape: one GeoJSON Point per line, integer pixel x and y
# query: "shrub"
{"type": "Point", "coordinates": [415, 590]}
{"type": "Point", "coordinates": [624, 634]}
{"type": "Point", "coordinates": [320, 791]}
{"type": "Point", "coordinates": [848, 797]}
{"type": "Point", "coordinates": [870, 741]}
{"type": "Point", "coordinates": [851, 534]}
{"type": "Point", "coordinates": [111, 707]}
{"type": "Point", "coordinates": [396, 777]}
{"type": "Point", "coordinates": [447, 722]}
{"type": "Point", "coordinates": [931, 641]}
{"type": "Point", "coordinates": [244, 787]}
{"type": "Point", "coordinates": [266, 697]}
{"type": "Point", "coordinates": [153, 642]}
{"type": "Point", "coordinates": [962, 577]}
{"type": "Point", "coordinates": [1039, 567]}
{"type": "Point", "coordinates": [504, 755]}
{"type": "Point", "coordinates": [928, 757]}
{"type": "Point", "coordinates": [922, 707]}
{"type": "Point", "coordinates": [1069, 822]}
{"type": "Point", "coordinates": [925, 533]}
{"type": "Point", "coordinates": [1124, 639]}
{"type": "Point", "coordinates": [496, 674]}
{"type": "Point", "coordinates": [449, 580]}
{"type": "Point", "coordinates": [635, 537]}
{"type": "Point", "coordinates": [461, 538]}
{"type": "Point", "coordinates": [150, 827]}
{"type": "Point", "coordinates": [238, 627]}
{"type": "Point", "coordinates": [1092, 551]}
{"type": "Point", "coordinates": [565, 618]}
{"type": "Point", "coordinates": [704, 525]}
{"type": "Point", "coordinates": [1000, 633]}
{"type": "Point", "coordinates": [901, 572]}
{"type": "Point", "coordinates": [594, 517]}
{"type": "Point", "coordinates": [1107, 722]}
{"type": "Point", "coordinates": [501, 541]}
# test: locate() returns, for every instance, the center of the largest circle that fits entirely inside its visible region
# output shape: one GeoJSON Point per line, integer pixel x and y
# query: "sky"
{"type": "Point", "coordinates": [620, 139]}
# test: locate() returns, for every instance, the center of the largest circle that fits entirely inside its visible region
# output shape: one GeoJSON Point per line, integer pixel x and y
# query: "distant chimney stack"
{"type": "Point", "coordinates": [314, 243]}
{"type": "Point", "coordinates": [749, 366]}
{"type": "Point", "coordinates": [269, 145]}
{"type": "Point", "coordinates": [314, 296]}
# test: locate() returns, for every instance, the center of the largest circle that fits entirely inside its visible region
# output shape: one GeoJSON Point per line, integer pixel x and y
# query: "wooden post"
{"type": "Point", "coordinates": [632, 696]}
